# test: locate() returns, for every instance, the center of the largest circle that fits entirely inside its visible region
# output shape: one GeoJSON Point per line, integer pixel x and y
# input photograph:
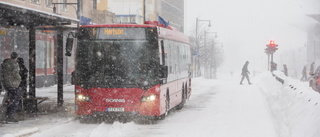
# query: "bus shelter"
{"type": "Point", "coordinates": [32, 20]}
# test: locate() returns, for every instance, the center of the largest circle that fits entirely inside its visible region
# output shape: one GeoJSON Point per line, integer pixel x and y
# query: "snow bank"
{"type": "Point", "coordinates": [25, 132]}
{"type": "Point", "coordinates": [295, 106]}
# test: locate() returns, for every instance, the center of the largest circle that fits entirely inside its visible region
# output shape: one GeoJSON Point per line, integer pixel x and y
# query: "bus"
{"type": "Point", "coordinates": [131, 70]}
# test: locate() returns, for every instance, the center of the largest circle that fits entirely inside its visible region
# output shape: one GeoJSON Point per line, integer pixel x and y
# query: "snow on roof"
{"type": "Point", "coordinates": [39, 11]}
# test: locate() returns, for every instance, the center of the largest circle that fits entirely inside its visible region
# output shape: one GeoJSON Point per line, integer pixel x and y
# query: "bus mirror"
{"type": "Point", "coordinates": [73, 78]}
{"type": "Point", "coordinates": [163, 71]}
{"type": "Point", "coordinates": [69, 46]}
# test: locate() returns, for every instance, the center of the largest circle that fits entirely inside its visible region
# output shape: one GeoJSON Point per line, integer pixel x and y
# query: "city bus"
{"type": "Point", "coordinates": [131, 70]}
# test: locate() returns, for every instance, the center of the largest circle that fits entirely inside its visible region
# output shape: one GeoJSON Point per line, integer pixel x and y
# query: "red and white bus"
{"type": "Point", "coordinates": [131, 69]}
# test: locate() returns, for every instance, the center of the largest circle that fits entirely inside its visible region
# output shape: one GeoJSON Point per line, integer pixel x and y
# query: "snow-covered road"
{"type": "Point", "coordinates": [220, 108]}
{"type": "Point", "coordinates": [216, 108]}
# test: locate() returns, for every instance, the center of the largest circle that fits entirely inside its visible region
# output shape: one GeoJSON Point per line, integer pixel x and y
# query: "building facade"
{"type": "Point", "coordinates": [132, 11]}
{"type": "Point", "coordinates": [313, 41]}
{"type": "Point", "coordinates": [172, 11]}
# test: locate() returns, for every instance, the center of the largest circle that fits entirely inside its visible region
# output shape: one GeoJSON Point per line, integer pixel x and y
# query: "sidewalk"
{"type": "Point", "coordinates": [48, 113]}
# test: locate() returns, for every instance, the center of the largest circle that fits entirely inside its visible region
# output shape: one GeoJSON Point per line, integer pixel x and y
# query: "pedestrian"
{"type": "Point", "coordinates": [245, 73]}
{"type": "Point", "coordinates": [304, 74]}
{"type": "Point", "coordinates": [273, 66]}
{"type": "Point", "coordinates": [11, 82]}
{"type": "Point", "coordinates": [311, 72]}
{"type": "Point", "coordinates": [285, 70]}
{"type": "Point", "coordinates": [24, 75]}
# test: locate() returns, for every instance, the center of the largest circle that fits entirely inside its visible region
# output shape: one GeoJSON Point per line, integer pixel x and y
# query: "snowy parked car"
{"type": "Point", "coordinates": [314, 81]}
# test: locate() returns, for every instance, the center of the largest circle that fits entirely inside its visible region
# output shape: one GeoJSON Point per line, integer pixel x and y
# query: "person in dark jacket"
{"type": "Point", "coordinates": [304, 74]}
{"type": "Point", "coordinates": [24, 75]}
{"type": "Point", "coordinates": [311, 72]}
{"type": "Point", "coordinates": [11, 82]}
{"type": "Point", "coordinates": [285, 70]}
{"type": "Point", "coordinates": [245, 73]}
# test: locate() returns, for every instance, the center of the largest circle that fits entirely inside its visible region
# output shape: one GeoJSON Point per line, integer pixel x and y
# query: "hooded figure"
{"type": "Point", "coordinates": [311, 69]}
{"type": "Point", "coordinates": [245, 73]}
{"type": "Point", "coordinates": [304, 74]}
{"type": "Point", "coordinates": [285, 70]}
{"type": "Point", "coordinates": [24, 75]}
{"type": "Point", "coordinates": [11, 82]}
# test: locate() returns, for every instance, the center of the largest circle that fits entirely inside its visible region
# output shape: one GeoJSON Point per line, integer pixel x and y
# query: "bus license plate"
{"type": "Point", "coordinates": [115, 109]}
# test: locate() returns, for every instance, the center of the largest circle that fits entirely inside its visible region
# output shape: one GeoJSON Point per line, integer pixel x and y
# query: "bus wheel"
{"type": "Point", "coordinates": [167, 103]}
{"type": "Point", "coordinates": [163, 116]}
{"type": "Point", "coordinates": [183, 99]}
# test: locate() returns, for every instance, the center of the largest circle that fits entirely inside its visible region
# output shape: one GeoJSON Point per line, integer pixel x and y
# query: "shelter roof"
{"type": "Point", "coordinates": [15, 15]}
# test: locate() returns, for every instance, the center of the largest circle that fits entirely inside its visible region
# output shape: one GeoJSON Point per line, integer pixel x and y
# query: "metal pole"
{"type": "Point", "coordinates": [272, 65]}
{"type": "Point", "coordinates": [32, 104]}
{"type": "Point", "coordinates": [60, 66]}
{"type": "Point", "coordinates": [78, 14]}
{"type": "Point", "coordinates": [205, 54]}
{"type": "Point", "coordinates": [144, 11]}
{"type": "Point", "coordinates": [268, 62]}
{"type": "Point", "coordinates": [32, 62]}
{"type": "Point", "coordinates": [211, 58]}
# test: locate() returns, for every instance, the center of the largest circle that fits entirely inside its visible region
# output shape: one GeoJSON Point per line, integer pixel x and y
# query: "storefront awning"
{"type": "Point", "coordinates": [15, 15]}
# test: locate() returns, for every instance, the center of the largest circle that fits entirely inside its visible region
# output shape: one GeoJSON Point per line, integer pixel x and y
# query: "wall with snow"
{"type": "Point", "coordinates": [295, 106]}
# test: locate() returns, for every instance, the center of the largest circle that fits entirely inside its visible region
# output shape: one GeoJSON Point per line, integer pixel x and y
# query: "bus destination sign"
{"type": "Point", "coordinates": [119, 33]}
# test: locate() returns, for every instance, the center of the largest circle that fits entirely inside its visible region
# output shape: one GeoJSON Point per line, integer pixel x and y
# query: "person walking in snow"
{"type": "Point", "coordinates": [304, 74]}
{"type": "Point", "coordinates": [11, 82]}
{"type": "Point", "coordinates": [245, 73]}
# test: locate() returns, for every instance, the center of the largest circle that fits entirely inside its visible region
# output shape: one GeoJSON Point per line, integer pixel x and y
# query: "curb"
{"type": "Point", "coordinates": [278, 78]}
{"type": "Point", "coordinates": [23, 133]}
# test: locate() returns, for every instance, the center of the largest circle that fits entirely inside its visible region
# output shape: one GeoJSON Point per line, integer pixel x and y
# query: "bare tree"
{"type": "Point", "coordinates": [210, 52]}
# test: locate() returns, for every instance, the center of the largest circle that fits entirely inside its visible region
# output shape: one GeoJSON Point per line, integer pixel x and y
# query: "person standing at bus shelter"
{"type": "Point", "coordinates": [24, 75]}
{"type": "Point", "coordinates": [11, 82]}
{"type": "Point", "coordinates": [245, 73]}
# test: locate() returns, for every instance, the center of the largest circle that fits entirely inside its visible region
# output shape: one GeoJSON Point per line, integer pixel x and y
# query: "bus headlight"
{"type": "Point", "coordinates": [148, 98]}
{"type": "Point", "coordinates": [83, 98]}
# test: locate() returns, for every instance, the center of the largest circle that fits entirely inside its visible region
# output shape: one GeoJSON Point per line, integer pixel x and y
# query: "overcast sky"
{"type": "Point", "coordinates": [246, 26]}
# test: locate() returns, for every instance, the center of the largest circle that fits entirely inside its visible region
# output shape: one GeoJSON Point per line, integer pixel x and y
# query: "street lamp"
{"type": "Point", "coordinates": [77, 10]}
{"type": "Point", "coordinates": [197, 62]}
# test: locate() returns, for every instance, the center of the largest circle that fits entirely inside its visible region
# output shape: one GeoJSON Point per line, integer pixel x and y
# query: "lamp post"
{"type": "Point", "coordinates": [60, 51]}
{"type": "Point", "coordinates": [197, 62]}
{"type": "Point", "coordinates": [77, 10]}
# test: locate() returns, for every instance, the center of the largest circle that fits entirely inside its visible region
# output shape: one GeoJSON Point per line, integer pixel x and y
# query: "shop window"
{"type": "Point", "coordinates": [45, 54]}
{"type": "Point", "coordinates": [35, 1]}
{"type": "Point", "coordinates": [40, 54]}
{"type": "Point", "coordinates": [49, 3]}
{"type": "Point", "coordinates": [64, 7]}
{"type": "Point", "coordinates": [50, 57]}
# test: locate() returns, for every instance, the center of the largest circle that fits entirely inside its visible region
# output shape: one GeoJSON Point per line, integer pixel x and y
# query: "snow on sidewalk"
{"type": "Point", "coordinates": [240, 111]}
{"type": "Point", "coordinates": [295, 106]}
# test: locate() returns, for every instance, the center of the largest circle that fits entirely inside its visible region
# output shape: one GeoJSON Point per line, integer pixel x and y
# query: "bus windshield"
{"type": "Point", "coordinates": [117, 64]}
